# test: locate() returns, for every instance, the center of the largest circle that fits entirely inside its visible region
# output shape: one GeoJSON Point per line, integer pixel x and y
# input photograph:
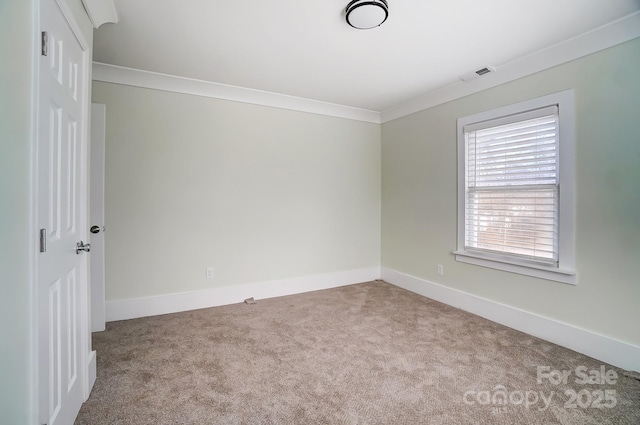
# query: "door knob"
{"type": "Point", "coordinates": [81, 246]}
{"type": "Point", "coordinates": [95, 229]}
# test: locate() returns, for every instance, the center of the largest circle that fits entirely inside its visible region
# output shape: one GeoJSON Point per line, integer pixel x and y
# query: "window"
{"type": "Point", "coordinates": [516, 188]}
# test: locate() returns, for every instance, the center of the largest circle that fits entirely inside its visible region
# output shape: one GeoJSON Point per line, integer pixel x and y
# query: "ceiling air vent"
{"type": "Point", "coordinates": [477, 74]}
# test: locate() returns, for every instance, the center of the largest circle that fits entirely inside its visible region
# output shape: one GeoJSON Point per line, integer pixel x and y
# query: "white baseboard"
{"type": "Point", "coordinates": [92, 370]}
{"type": "Point", "coordinates": [172, 303]}
{"type": "Point", "coordinates": [600, 347]}
{"type": "Point", "coordinates": [603, 348]}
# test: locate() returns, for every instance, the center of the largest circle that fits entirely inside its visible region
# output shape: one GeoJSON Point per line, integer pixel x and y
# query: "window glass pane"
{"type": "Point", "coordinates": [522, 222]}
{"type": "Point", "coordinates": [522, 153]}
{"type": "Point", "coordinates": [512, 188]}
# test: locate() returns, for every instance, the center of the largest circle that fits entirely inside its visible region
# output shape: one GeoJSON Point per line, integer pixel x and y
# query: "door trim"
{"type": "Point", "coordinates": [87, 357]}
{"type": "Point", "coordinates": [96, 191]}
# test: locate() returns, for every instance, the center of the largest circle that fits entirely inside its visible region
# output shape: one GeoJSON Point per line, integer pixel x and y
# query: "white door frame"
{"type": "Point", "coordinates": [96, 215]}
{"type": "Point", "coordinates": [88, 358]}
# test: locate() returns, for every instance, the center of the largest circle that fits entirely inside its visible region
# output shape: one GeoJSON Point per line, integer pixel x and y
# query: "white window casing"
{"type": "Point", "coordinates": [516, 188]}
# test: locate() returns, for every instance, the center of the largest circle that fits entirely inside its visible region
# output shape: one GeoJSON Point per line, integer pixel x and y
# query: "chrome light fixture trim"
{"type": "Point", "coordinates": [366, 14]}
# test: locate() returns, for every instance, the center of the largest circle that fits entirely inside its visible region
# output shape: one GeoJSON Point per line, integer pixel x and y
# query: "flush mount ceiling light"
{"type": "Point", "coordinates": [365, 14]}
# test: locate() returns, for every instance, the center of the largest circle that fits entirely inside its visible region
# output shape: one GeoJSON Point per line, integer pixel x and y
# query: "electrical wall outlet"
{"type": "Point", "coordinates": [209, 272]}
{"type": "Point", "coordinates": [440, 270]}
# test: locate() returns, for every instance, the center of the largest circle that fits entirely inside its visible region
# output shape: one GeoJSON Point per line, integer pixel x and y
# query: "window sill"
{"type": "Point", "coordinates": [542, 272]}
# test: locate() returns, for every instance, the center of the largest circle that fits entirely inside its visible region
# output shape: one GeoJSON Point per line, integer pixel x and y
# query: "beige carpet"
{"type": "Point", "coordinates": [363, 354]}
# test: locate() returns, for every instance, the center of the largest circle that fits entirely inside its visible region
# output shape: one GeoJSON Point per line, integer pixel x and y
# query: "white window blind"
{"type": "Point", "coordinates": [512, 186]}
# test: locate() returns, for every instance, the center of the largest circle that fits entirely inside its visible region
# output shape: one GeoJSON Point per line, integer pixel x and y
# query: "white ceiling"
{"type": "Point", "coordinates": [304, 48]}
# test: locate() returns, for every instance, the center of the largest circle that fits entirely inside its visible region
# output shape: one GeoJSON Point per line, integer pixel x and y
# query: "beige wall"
{"type": "Point", "coordinates": [419, 196]}
{"type": "Point", "coordinates": [262, 194]}
{"type": "Point", "coordinates": [258, 193]}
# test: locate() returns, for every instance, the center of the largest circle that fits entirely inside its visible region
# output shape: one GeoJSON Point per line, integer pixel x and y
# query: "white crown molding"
{"type": "Point", "coordinates": [172, 303]}
{"type": "Point", "coordinates": [604, 348]}
{"type": "Point", "coordinates": [101, 12]}
{"type": "Point", "coordinates": [611, 34]}
{"type": "Point", "coordinates": [154, 80]}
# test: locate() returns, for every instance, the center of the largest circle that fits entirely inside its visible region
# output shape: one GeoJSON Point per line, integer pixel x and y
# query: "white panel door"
{"type": "Point", "coordinates": [61, 211]}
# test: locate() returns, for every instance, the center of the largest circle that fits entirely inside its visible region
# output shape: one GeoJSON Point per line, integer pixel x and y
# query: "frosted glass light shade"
{"type": "Point", "coordinates": [365, 14]}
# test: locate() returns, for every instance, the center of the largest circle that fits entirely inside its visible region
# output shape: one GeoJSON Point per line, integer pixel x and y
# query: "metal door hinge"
{"type": "Point", "coordinates": [45, 43]}
{"type": "Point", "coordinates": [43, 240]}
